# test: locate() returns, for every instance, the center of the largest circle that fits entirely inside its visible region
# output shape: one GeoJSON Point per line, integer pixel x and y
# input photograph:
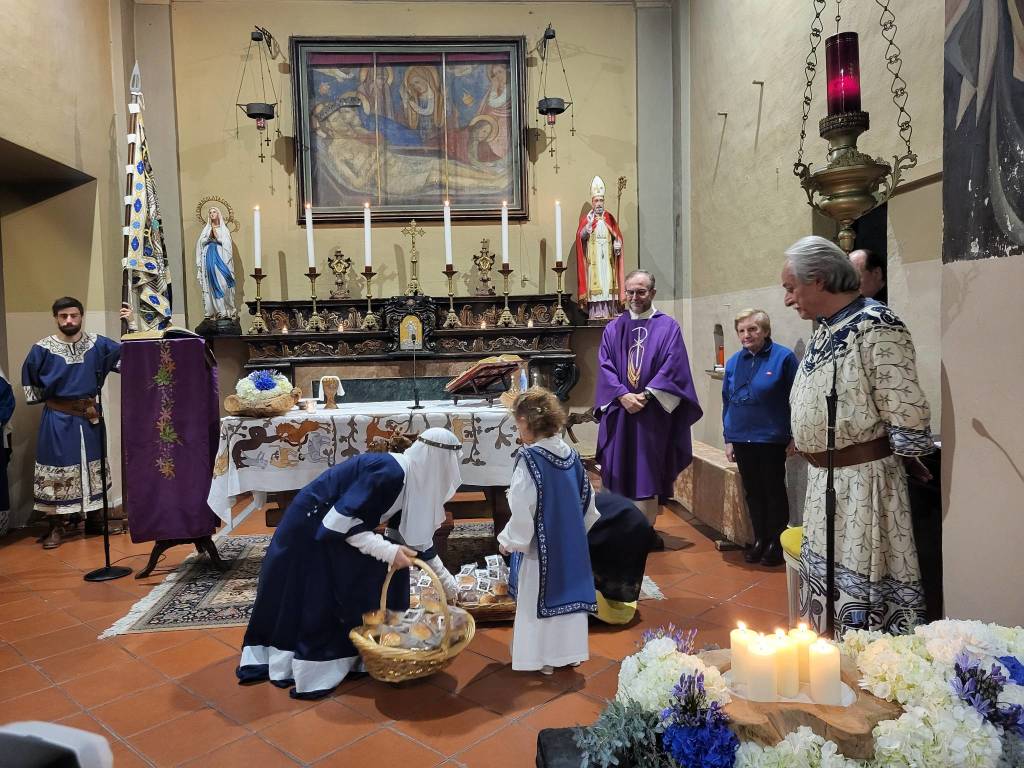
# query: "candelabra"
{"type": "Point", "coordinates": [259, 325]}
{"type": "Point", "coordinates": [559, 317]}
{"type": "Point", "coordinates": [317, 321]}
{"type": "Point", "coordinates": [505, 319]}
{"type": "Point", "coordinates": [370, 322]}
{"type": "Point", "coordinates": [452, 321]}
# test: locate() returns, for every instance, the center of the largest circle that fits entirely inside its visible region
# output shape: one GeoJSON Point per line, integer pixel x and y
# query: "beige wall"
{"type": "Point", "coordinates": [62, 92]}
{"type": "Point", "coordinates": [209, 44]}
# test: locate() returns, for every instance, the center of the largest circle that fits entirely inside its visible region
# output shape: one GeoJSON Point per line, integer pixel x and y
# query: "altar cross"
{"type": "Point", "coordinates": [412, 232]}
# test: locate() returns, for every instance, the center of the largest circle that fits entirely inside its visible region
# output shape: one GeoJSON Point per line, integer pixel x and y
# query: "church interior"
{"type": "Point", "coordinates": [366, 204]}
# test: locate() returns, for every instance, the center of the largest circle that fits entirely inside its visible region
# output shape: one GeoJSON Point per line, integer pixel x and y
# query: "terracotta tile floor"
{"type": "Point", "coordinates": [170, 698]}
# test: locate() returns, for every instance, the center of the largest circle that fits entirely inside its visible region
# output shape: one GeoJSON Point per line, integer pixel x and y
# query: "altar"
{"type": "Point", "coordinates": [284, 453]}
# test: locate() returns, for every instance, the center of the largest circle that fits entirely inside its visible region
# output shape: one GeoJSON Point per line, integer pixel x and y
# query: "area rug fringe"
{"type": "Point", "coordinates": [125, 623]}
{"type": "Point", "coordinates": [649, 590]}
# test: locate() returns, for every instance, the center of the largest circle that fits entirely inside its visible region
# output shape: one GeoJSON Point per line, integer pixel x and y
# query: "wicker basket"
{"type": "Point", "coordinates": [395, 665]}
{"type": "Point", "coordinates": [503, 611]}
{"type": "Point", "coordinates": [277, 406]}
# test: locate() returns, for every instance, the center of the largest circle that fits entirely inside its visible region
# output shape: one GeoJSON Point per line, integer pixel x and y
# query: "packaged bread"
{"type": "Point", "coordinates": [391, 639]}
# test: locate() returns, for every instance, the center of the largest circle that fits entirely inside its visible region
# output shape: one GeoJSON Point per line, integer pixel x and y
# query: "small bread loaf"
{"type": "Point", "coordinates": [391, 639]}
{"type": "Point", "coordinates": [421, 631]}
{"type": "Point", "coordinates": [500, 588]}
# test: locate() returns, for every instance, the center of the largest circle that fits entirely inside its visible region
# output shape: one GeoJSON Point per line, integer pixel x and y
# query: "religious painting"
{"type": "Point", "coordinates": [406, 123]}
{"type": "Point", "coordinates": [983, 164]}
{"type": "Point", "coordinates": [410, 333]}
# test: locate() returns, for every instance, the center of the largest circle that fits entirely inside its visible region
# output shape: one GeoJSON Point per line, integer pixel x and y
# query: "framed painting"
{"type": "Point", "coordinates": [406, 123]}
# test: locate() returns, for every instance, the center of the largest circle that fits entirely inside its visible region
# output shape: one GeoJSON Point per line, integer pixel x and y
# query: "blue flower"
{"type": "Point", "coordinates": [709, 746]}
{"type": "Point", "coordinates": [1015, 667]}
{"type": "Point", "coordinates": [263, 380]}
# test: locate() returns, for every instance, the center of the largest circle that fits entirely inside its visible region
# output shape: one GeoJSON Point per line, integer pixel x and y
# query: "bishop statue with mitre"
{"type": "Point", "coordinates": [599, 259]}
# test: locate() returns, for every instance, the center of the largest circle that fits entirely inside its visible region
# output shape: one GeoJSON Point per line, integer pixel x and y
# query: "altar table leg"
{"type": "Point", "coordinates": [203, 544]}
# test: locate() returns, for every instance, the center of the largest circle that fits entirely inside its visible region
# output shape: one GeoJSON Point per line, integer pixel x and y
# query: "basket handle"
{"type": "Point", "coordinates": [446, 638]}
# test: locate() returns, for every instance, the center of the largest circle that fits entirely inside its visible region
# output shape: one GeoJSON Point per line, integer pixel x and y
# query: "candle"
{"type": "Point", "coordinates": [447, 232]}
{"type": "Point", "coordinates": [823, 669]}
{"type": "Point", "coordinates": [558, 233]}
{"type": "Point", "coordinates": [787, 667]}
{"type": "Point", "coordinates": [504, 232]}
{"type": "Point", "coordinates": [309, 237]}
{"type": "Point", "coordinates": [483, 325]}
{"type": "Point", "coordinates": [739, 639]}
{"type": "Point", "coordinates": [761, 670]}
{"type": "Point", "coordinates": [803, 637]}
{"type": "Point", "coordinates": [529, 323]}
{"type": "Point", "coordinates": [257, 249]}
{"type": "Point", "coordinates": [366, 235]}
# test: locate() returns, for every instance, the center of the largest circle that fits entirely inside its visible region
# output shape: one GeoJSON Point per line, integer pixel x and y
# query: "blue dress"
{"type": "Point", "coordinates": [314, 586]}
{"type": "Point", "coordinates": [67, 472]}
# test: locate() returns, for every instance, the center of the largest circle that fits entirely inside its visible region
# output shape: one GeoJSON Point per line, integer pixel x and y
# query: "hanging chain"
{"type": "Point", "coordinates": [894, 63]}
{"type": "Point", "coordinates": [838, 15]}
{"type": "Point", "coordinates": [810, 68]}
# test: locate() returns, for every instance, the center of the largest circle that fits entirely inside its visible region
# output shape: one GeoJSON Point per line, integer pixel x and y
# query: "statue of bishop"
{"type": "Point", "coordinates": [599, 259]}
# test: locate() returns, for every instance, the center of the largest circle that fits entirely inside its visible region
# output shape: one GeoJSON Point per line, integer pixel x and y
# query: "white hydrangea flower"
{"type": "Point", "coordinates": [856, 640]}
{"type": "Point", "coordinates": [648, 676]}
{"type": "Point", "coordinates": [946, 638]}
{"type": "Point", "coordinates": [899, 668]}
{"type": "Point", "coordinates": [954, 737]}
{"type": "Point", "coordinates": [1012, 694]}
{"type": "Point", "coordinates": [800, 749]}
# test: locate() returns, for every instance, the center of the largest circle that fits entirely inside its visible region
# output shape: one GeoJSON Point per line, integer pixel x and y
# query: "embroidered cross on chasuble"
{"type": "Point", "coordinates": [635, 360]}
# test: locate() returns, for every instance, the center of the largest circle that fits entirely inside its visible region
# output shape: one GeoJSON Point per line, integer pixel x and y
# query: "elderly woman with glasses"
{"type": "Point", "coordinates": [755, 414]}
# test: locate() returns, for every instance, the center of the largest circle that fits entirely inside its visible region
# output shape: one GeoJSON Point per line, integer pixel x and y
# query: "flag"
{"type": "Point", "coordinates": [145, 260]}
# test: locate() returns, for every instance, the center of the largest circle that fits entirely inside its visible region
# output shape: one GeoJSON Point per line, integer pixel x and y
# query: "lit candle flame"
{"type": "Point", "coordinates": [741, 625]}
{"type": "Point", "coordinates": [529, 323]}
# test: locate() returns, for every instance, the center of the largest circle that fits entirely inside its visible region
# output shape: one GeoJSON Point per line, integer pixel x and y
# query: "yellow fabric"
{"type": "Point", "coordinates": [614, 612]}
{"type": "Point", "coordinates": [790, 540]}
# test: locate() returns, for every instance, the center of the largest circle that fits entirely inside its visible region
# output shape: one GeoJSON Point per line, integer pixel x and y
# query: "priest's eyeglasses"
{"type": "Point", "coordinates": [637, 292]}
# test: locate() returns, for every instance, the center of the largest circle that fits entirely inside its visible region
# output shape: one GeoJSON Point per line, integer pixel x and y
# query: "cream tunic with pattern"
{"type": "Point", "coordinates": [878, 581]}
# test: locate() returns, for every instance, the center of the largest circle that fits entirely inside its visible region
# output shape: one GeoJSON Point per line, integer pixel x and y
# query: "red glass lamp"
{"type": "Point", "coordinates": [842, 73]}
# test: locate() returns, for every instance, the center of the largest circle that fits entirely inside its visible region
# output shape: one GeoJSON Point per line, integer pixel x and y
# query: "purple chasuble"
{"type": "Point", "coordinates": [642, 454]}
{"type": "Point", "coordinates": [170, 420]}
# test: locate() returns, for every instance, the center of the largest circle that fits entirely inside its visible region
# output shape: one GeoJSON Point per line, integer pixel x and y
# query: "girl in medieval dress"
{"type": "Point", "coordinates": [552, 507]}
{"type": "Point", "coordinates": [215, 268]}
{"type": "Point", "coordinates": [326, 566]}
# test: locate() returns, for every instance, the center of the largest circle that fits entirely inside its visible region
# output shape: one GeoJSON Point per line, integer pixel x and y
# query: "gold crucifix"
{"type": "Point", "coordinates": [412, 231]}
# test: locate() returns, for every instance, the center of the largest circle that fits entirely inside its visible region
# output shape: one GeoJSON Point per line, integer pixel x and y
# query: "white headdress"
{"type": "Point", "coordinates": [596, 188]}
{"type": "Point", "coordinates": [431, 478]}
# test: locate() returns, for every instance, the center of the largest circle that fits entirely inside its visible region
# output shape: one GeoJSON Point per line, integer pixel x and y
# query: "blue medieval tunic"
{"type": "Point", "coordinates": [315, 585]}
{"type": "Point", "coordinates": [552, 507]}
{"type": "Point", "coordinates": [68, 451]}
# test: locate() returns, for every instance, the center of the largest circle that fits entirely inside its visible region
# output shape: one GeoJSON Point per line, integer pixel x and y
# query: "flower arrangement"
{"type": "Point", "coordinates": [263, 385]}
{"type": "Point", "coordinates": [961, 685]}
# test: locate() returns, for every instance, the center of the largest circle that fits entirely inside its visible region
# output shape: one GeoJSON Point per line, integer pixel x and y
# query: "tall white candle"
{"type": "Point", "coordinates": [558, 233]}
{"type": "Point", "coordinates": [310, 257]}
{"type": "Point", "coordinates": [256, 244]}
{"type": "Point", "coordinates": [366, 235]}
{"type": "Point", "coordinates": [823, 668]}
{"type": "Point", "coordinates": [447, 232]}
{"type": "Point", "coordinates": [739, 639]}
{"type": "Point", "coordinates": [787, 667]}
{"type": "Point", "coordinates": [504, 232]}
{"type": "Point", "coordinates": [761, 670]}
{"type": "Point", "coordinates": [803, 637]}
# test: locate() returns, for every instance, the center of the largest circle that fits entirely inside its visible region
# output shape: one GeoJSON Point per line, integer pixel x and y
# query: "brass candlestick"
{"type": "Point", "coordinates": [559, 317]}
{"type": "Point", "coordinates": [370, 321]}
{"type": "Point", "coordinates": [259, 325]}
{"type": "Point", "coordinates": [505, 319]}
{"type": "Point", "coordinates": [452, 321]}
{"type": "Point", "coordinates": [317, 321]}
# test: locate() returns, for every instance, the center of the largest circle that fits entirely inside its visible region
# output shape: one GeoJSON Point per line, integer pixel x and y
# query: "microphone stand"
{"type": "Point", "coordinates": [415, 385]}
{"type": "Point", "coordinates": [831, 407]}
{"type": "Point", "coordinates": [108, 572]}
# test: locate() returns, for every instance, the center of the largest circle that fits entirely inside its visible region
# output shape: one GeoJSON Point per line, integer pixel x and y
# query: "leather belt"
{"type": "Point", "coordinates": [82, 407]}
{"type": "Point", "coordinates": [860, 453]}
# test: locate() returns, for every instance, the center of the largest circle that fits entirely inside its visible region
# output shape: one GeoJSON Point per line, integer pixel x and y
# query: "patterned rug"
{"type": "Point", "coordinates": [197, 595]}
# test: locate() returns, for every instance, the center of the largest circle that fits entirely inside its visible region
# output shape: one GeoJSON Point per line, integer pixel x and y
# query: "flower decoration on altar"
{"type": "Point", "coordinates": [697, 730]}
{"type": "Point", "coordinates": [260, 386]}
{"type": "Point", "coordinates": [982, 690]}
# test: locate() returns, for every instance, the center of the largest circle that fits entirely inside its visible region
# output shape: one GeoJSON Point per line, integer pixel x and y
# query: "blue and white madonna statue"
{"type": "Point", "coordinates": [215, 270]}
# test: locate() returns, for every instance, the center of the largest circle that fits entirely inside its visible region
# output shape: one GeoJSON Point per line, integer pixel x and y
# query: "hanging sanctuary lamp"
{"type": "Point", "coordinates": [550, 107]}
{"type": "Point", "coordinates": [259, 108]}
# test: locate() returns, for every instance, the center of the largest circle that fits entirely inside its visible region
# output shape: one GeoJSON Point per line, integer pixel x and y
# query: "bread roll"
{"type": "Point", "coordinates": [391, 639]}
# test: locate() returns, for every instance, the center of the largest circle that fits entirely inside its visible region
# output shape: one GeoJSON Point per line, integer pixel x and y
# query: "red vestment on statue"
{"type": "Point", "coordinates": [582, 272]}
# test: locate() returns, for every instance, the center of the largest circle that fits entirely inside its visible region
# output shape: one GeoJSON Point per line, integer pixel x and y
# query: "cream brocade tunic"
{"type": "Point", "coordinates": [878, 581]}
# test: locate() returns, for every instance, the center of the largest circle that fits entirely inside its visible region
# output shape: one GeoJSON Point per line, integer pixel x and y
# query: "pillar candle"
{"type": "Point", "coordinates": [447, 232]}
{"type": "Point", "coordinates": [787, 667]}
{"type": "Point", "coordinates": [366, 235]}
{"type": "Point", "coordinates": [823, 668]}
{"type": "Point", "coordinates": [739, 639]}
{"type": "Point", "coordinates": [558, 233]}
{"type": "Point", "coordinates": [504, 232]}
{"type": "Point", "coordinates": [761, 670]}
{"type": "Point", "coordinates": [803, 637]}
{"type": "Point", "coordinates": [309, 237]}
{"type": "Point", "coordinates": [256, 244]}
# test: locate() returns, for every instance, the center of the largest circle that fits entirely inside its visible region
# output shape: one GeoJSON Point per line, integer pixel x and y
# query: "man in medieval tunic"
{"type": "Point", "coordinates": [64, 371]}
{"type": "Point", "coordinates": [645, 399]}
{"type": "Point", "coordinates": [599, 258]}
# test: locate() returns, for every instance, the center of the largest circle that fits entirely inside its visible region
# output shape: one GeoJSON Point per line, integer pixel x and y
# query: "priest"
{"type": "Point", "coordinates": [645, 400]}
